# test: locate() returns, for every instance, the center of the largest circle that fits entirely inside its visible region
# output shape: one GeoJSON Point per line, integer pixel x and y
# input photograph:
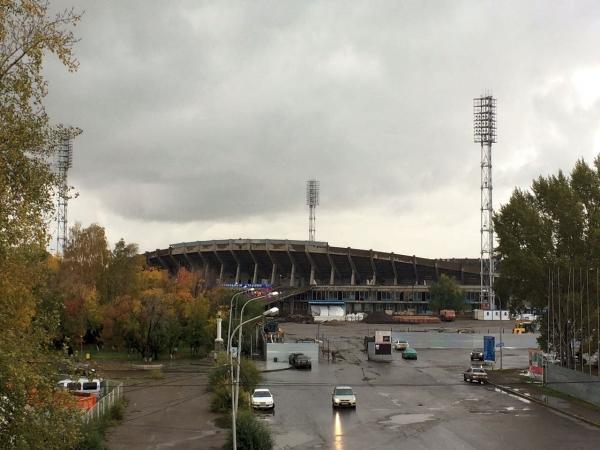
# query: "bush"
{"type": "Point", "coordinates": [252, 434]}
{"type": "Point", "coordinates": [219, 384]}
{"type": "Point", "coordinates": [93, 436]}
{"type": "Point", "coordinates": [94, 430]}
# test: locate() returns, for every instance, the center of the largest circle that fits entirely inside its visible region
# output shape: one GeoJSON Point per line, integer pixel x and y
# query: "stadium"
{"type": "Point", "coordinates": [329, 280]}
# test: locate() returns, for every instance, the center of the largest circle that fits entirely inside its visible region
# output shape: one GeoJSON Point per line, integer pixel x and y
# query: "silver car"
{"type": "Point", "coordinates": [477, 374]}
{"type": "Point", "coordinates": [343, 396]}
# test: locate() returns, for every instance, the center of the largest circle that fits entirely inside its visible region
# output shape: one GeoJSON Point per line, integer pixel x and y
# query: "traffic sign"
{"type": "Point", "coordinates": [489, 352]}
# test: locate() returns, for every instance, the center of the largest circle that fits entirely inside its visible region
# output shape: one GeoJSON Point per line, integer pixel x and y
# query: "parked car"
{"type": "Point", "coordinates": [343, 396]}
{"type": "Point", "coordinates": [475, 374]}
{"type": "Point", "coordinates": [551, 358]}
{"type": "Point", "coordinates": [82, 386]}
{"type": "Point", "coordinates": [292, 357]}
{"type": "Point", "coordinates": [477, 354]}
{"type": "Point", "coordinates": [301, 361]}
{"type": "Point", "coordinates": [262, 399]}
{"type": "Point", "coordinates": [409, 353]}
{"type": "Point", "coordinates": [400, 345]}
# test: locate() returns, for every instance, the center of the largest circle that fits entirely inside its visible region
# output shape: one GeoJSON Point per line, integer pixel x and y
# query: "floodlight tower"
{"type": "Point", "coordinates": [484, 112]}
{"type": "Point", "coordinates": [312, 200]}
{"type": "Point", "coordinates": [64, 161]}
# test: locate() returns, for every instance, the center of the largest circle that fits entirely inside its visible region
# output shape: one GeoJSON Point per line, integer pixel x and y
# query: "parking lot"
{"type": "Point", "coordinates": [411, 404]}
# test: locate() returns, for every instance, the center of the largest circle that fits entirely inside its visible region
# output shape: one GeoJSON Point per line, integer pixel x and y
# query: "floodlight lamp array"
{"type": "Point", "coordinates": [312, 192]}
{"type": "Point", "coordinates": [484, 119]}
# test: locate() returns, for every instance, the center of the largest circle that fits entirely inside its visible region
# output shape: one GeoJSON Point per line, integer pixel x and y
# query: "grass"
{"type": "Point", "coordinates": [112, 355]}
{"type": "Point", "coordinates": [156, 374]}
{"type": "Point", "coordinates": [558, 394]}
{"type": "Point", "coordinates": [95, 430]}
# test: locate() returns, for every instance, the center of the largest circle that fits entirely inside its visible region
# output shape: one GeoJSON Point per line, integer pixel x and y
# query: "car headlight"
{"type": "Point", "coordinates": [336, 400]}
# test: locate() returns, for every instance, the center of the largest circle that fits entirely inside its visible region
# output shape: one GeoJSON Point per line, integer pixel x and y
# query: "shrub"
{"type": "Point", "coordinates": [252, 434]}
{"type": "Point", "coordinates": [219, 384]}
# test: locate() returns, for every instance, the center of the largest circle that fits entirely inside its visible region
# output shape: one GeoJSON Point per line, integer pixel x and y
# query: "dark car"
{"type": "Point", "coordinates": [475, 374]}
{"type": "Point", "coordinates": [292, 357]}
{"type": "Point", "coordinates": [477, 354]}
{"type": "Point", "coordinates": [302, 362]}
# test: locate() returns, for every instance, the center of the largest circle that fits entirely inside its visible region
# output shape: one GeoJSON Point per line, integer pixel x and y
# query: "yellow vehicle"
{"type": "Point", "coordinates": [523, 327]}
{"type": "Point", "coordinates": [519, 329]}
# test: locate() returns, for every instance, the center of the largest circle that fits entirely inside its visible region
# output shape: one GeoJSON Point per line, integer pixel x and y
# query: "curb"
{"type": "Point", "coordinates": [276, 370]}
{"type": "Point", "coordinates": [539, 402]}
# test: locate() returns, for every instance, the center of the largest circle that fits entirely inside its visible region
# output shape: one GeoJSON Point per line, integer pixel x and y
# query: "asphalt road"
{"type": "Point", "coordinates": [423, 404]}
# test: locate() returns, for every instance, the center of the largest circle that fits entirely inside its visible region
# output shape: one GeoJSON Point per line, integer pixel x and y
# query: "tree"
{"type": "Point", "coordinates": [552, 228]}
{"type": "Point", "coordinates": [446, 294]}
{"type": "Point", "coordinates": [121, 276]}
{"type": "Point", "coordinates": [31, 414]}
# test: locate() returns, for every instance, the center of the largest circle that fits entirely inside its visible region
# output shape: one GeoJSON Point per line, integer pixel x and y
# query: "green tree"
{"type": "Point", "coordinates": [446, 294]}
{"type": "Point", "coordinates": [121, 276]}
{"type": "Point", "coordinates": [551, 228]}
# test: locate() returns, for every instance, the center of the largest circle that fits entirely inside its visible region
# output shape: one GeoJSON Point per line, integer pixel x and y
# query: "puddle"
{"type": "Point", "coordinates": [293, 439]}
{"type": "Point", "coordinates": [407, 419]}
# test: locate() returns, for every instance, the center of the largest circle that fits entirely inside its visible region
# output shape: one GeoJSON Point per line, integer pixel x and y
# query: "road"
{"type": "Point", "coordinates": [168, 413]}
{"type": "Point", "coordinates": [420, 404]}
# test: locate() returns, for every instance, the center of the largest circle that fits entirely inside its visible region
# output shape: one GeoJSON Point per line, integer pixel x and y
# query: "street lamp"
{"type": "Point", "coordinates": [239, 352]}
{"type": "Point", "coordinates": [269, 312]}
{"type": "Point", "coordinates": [233, 297]}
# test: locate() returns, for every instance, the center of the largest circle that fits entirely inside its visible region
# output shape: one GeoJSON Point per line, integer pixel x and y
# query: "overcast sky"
{"type": "Point", "coordinates": [202, 120]}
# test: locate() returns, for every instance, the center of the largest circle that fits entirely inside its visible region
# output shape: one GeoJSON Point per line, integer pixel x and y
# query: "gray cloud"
{"type": "Point", "coordinates": [200, 111]}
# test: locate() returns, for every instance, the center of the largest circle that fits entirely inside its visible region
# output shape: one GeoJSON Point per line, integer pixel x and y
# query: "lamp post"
{"type": "Point", "coordinates": [269, 312]}
{"type": "Point", "coordinates": [271, 294]}
{"type": "Point", "coordinates": [233, 297]}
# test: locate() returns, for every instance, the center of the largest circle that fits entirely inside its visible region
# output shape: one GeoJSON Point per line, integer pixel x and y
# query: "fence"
{"type": "Point", "coordinates": [578, 384]}
{"type": "Point", "coordinates": [104, 404]}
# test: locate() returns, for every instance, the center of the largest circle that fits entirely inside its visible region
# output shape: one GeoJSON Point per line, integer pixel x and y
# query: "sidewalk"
{"type": "Point", "coordinates": [271, 366]}
{"type": "Point", "coordinates": [512, 382]}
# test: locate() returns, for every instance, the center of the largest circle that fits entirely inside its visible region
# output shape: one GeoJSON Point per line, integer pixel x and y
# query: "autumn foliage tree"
{"type": "Point", "coordinates": [30, 414]}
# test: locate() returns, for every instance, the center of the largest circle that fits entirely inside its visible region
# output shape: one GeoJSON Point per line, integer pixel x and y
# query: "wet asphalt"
{"type": "Point", "coordinates": [423, 404]}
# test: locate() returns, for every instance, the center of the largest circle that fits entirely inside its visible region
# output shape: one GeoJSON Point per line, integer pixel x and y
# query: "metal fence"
{"type": "Point", "coordinates": [104, 404]}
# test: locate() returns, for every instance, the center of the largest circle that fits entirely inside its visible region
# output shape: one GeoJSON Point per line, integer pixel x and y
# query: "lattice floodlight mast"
{"type": "Point", "coordinates": [484, 111]}
{"type": "Point", "coordinates": [64, 161]}
{"type": "Point", "coordinates": [312, 200]}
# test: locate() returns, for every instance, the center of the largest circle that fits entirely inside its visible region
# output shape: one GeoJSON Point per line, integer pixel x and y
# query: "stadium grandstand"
{"type": "Point", "coordinates": [347, 279]}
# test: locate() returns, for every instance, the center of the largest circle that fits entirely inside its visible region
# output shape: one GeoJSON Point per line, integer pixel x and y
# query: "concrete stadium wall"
{"type": "Point", "coordinates": [568, 381]}
{"type": "Point", "coordinates": [282, 350]}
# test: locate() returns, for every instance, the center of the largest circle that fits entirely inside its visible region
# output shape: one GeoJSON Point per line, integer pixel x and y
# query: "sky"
{"type": "Point", "coordinates": [203, 120]}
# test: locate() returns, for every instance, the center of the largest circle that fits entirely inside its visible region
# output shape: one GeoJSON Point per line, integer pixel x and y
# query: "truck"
{"type": "Point", "coordinates": [524, 326]}
{"type": "Point", "coordinates": [447, 315]}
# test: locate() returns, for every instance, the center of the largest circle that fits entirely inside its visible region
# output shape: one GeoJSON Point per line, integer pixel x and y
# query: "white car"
{"type": "Point", "coordinates": [262, 399]}
{"type": "Point", "coordinates": [343, 396]}
{"type": "Point", "coordinates": [82, 386]}
{"type": "Point", "coordinates": [400, 345]}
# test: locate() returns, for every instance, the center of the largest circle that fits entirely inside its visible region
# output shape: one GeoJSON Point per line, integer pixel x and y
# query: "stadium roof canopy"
{"type": "Point", "coordinates": [308, 263]}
